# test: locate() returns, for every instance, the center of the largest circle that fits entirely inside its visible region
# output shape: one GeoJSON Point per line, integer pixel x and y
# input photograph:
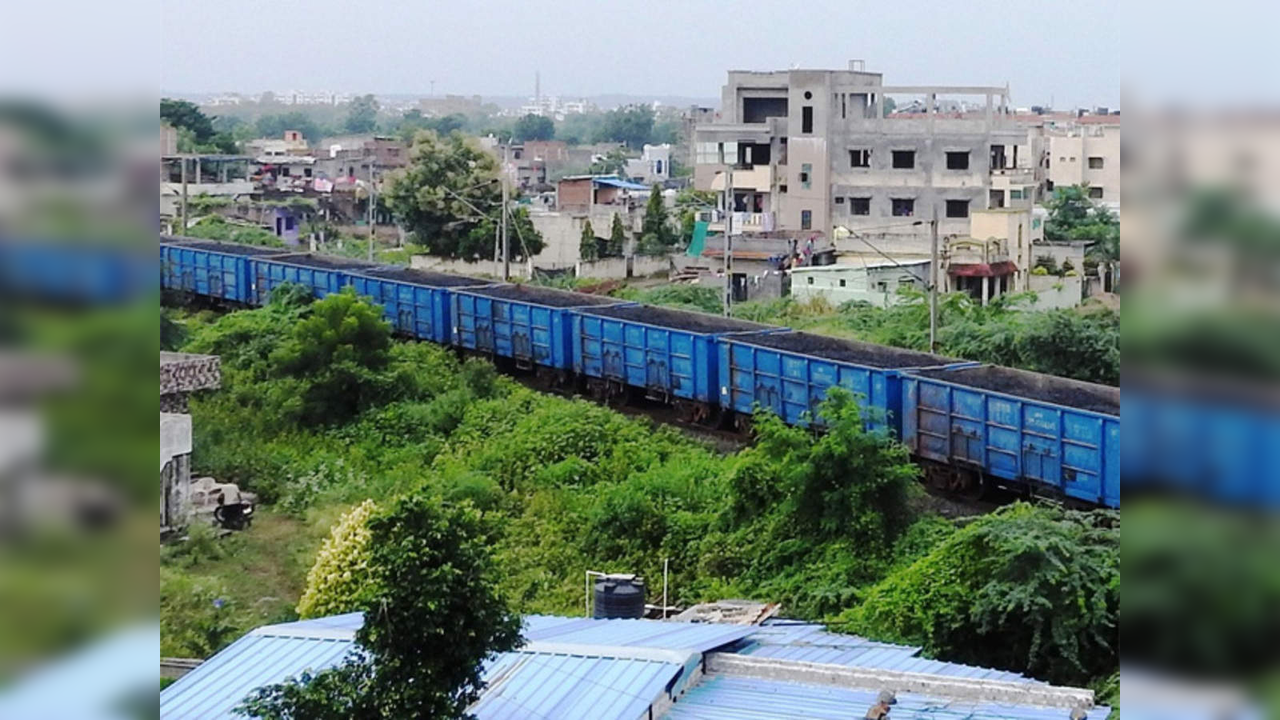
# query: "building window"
{"type": "Point", "coordinates": [860, 158]}
{"type": "Point", "coordinates": [859, 206]}
{"type": "Point", "coordinates": [1096, 163]}
{"type": "Point", "coordinates": [904, 207]}
{"type": "Point", "coordinates": [805, 171]}
{"type": "Point", "coordinates": [1015, 194]}
{"type": "Point", "coordinates": [306, 172]}
{"type": "Point", "coordinates": [806, 119]}
{"type": "Point", "coordinates": [839, 200]}
{"type": "Point", "coordinates": [957, 208]}
{"type": "Point", "coordinates": [958, 160]}
{"type": "Point", "coordinates": [782, 189]}
{"type": "Point", "coordinates": [806, 219]}
{"type": "Point", "coordinates": [904, 159]}
{"type": "Point", "coordinates": [810, 279]}
{"type": "Point", "coordinates": [841, 282]}
{"type": "Point", "coordinates": [1095, 193]}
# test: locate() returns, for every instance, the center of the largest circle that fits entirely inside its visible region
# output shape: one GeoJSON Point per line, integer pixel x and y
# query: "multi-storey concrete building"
{"type": "Point", "coordinates": [815, 150]}
{"type": "Point", "coordinates": [1088, 152]}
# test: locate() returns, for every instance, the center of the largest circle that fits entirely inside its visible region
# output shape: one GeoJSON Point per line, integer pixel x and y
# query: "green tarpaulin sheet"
{"type": "Point", "coordinates": [699, 239]}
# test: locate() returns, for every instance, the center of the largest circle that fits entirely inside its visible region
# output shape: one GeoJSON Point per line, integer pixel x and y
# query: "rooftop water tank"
{"type": "Point", "coordinates": [619, 596]}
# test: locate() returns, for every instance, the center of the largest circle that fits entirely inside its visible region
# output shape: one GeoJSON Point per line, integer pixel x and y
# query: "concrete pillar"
{"type": "Point", "coordinates": [986, 290]}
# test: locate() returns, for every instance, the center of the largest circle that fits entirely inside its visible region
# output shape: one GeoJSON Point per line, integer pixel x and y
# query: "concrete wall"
{"type": "Point", "coordinates": [1069, 160]}
{"type": "Point", "coordinates": [845, 283]}
{"type": "Point", "coordinates": [1056, 292]}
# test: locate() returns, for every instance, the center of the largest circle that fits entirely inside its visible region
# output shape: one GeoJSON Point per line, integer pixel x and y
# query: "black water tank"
{"type": "Point", "coordinates": [619, 598]}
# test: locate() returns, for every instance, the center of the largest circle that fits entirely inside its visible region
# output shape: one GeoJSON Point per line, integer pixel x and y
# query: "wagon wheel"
{"type": "Point", "coordinates": [966, 484]}
{"type": "Point", "coordinates": [743, 423]}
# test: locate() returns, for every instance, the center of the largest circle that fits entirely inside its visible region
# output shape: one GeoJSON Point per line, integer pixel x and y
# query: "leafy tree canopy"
{"type": "Point", "coordinates": [362, 116]}
{"type": "Point", "coordinates": [1027, 588]}
{"type": "Point", "coordinates": [588, 246]}
{"type": "Point", "coordinates": [657, 237]}
{"type": "Point", "coordinates": [433, 613]}
{"type": "Point", "coordinates": [534, 127]}
{"type": "Point", "coordinates": [631, 125]}
{"type": "Point", "coordinates": [449, 188]}
{"type": "Point", "coordinates": [1075, 217]}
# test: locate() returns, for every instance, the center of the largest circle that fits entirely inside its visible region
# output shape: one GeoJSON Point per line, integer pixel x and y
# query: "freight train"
{"type": "Point", "coordinates": [971, 426]}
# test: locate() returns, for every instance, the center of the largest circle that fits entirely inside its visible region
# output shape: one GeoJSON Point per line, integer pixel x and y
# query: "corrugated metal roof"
{"type": "Point", "coordinates": [619, 183]}
{"type": "Point", "coordinates": [218, 685]}
{"type": "Point", "coordinates": [600, 678]}
{"type": "Point", "coordinates": [538, 685]}
{"type": "Point", "coordinates": [813, 643]}
{"type": "Point", "coordinates": [696, 637]}
{"type": "Point", "coordinates": [740, 698]}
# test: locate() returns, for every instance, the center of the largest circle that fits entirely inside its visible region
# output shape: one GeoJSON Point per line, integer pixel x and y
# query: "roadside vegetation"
{"type": "Point", "coordinates": [323, 415]}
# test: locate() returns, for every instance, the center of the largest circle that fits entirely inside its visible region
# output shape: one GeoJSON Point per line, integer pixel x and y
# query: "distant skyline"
{"type": "Point", "coordinates": [1064, 53]}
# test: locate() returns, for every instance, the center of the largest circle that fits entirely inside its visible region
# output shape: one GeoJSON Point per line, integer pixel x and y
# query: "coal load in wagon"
{"type": "Point", "coordinates": [853, 352]}
{"type": "Point", "coordinates": [549, 297]}
{"type": "Point", "coordinates": [1035, 386]}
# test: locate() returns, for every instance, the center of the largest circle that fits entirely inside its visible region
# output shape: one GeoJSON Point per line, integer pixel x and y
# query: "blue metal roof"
{"type": "Point", "coordinates": [740, 698]}
{"type": "Point", "coordinates": [539, 685]}
{"type": "Point", "coordinates": [217, 686]}
{"type": "Point", "coordinates": [813, 643]}
{"type": "Point", "coordinates": [605, 668]}
{"type": "Point", "coordinates": [669, 635]}
{"type": "Point", "coordinates": [618, 182]}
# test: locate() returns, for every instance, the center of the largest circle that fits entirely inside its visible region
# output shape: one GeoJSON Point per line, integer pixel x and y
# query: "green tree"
{"type": "Point", "coordinates": [186, 114]}
{"type": "Point", "coordinates": [534, 127]}
{"type": "Point", "coordinates": [617, 237]}
{"type": "Point", "coordinates": [1026, 588]}
{"type": "Point", "coordinates": [447, 191]}
{"type": "Point", "coordinates": [335, 354]}
{"type": "Point", "coordinates": [1075, 217]}
{"type": "Point", "coordinates": [362, 116]}
{"type": "Point", "coordinates": [523, 239]}
{"type": "Point", "coordinates": [656, 235]}
{"type": "Point", "coordinates": [274, 126]}
{"type": "Point", "coordinates": [588, 248]}
{"type": "Point", "coordinates": [842, 482]}
{"type": "Point", "coordinates": [196, 133]}
{"type": "Point", "coordinates": [688, 203]}
{"type": "Point", "coordinates": [613, 163]}
{"type": "Point", "coordinates": [631, 125]}
{"type": "Point", "coordinates": [433, 615]}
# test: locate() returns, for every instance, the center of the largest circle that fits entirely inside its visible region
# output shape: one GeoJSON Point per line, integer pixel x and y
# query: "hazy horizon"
{"type": "Point", "coordinates": [1067, 55]}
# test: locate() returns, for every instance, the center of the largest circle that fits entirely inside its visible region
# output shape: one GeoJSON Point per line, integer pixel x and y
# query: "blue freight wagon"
{"type": "Point", "coordinates": [1021, 430]}
{"type": "Point", "coordinates": [93, 273]}
{"type": "Point", "coordinates": [1198, 437]}
{"type": "Point", "coordinates": [415, 302]}
{"type": "Point", "coordinates": [530, 325]}
{"type": "Point", "coordinates": [211, 269]}
{"type": "Point", "coordinates": [669, 355]}
{"type": "Point", "coordinates": [790, 373]}
{"type": "Point", "coordinates": [321, 274]}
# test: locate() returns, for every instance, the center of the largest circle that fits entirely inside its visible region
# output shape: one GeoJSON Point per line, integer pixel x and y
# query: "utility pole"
{"type": "Point", "coordinates": [183, 228]}
{"type": "Point", "coordinates": [933, 283]}
{"type": "Point", "coordinates": [373, 216]}
{"type": "Point", "coordinates": [506, 250]}
{"type": "Point", "coordinates": [728, 240]}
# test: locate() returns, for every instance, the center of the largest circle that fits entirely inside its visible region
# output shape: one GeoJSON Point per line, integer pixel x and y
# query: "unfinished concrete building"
{"type": "Point", "coordinates": [815, 150]}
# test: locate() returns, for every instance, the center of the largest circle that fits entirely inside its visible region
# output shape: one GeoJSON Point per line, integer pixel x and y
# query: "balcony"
{"type": "Point", "coordinates": [743, 222]}
{"type": "Point", "coordinates": [759, 178]}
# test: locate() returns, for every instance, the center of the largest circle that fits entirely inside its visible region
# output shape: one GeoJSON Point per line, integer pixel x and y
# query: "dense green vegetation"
{"type": "Point", "coordinates": [817, 522]}
{"type": "Point", "coordinates": [429, 582]}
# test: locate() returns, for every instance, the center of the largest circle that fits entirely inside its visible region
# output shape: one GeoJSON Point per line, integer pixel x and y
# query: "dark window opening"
{"type": "Point", "coordinates": [859, 206]}
{"type": "Point", "coordinates": [284, 172]}
{"type": "Point", "coordinates": [752, 154]}
{"type": "Point", "coordinates": [904, 207]}
{"type": "Point", "coordinates": [288, 223]}
{"type": "Point", "coordinates": [1096, 163]}
{"type": "Point", "coordinates": [995, 199]}
{"type": "Point", "coordinates": [306, 172]}
{"type": "Point", "coordinates": [516, 154]}
{"type": "Point", "coordinates": [997, 157]}
{"type": "Point", "coordinates": [806, 119]}
{"type": "Point", "coordinates": [806, 219]}
{"type": "Point", "coordinates": [842, 282]}
{"type": "Point", "coordinates": [957, 208]}
{"type": "Point", "coordinates": [958, 160]}
{"type": "Point", "coordinates": [808, 95]}
{"type": "Point", "coordinates": [839, 200]}
{"type": "Point", "coordinates": [1095, 193]}
{"type": "Point", "coordinates": [782, 189]}
{"type": "Point", "coordinates": [758, 110]}
{"type": "Point", "coordinates": [844, 106]}
{"type": "Point", "coordinates": [904, 159]}
{"type": "Point", "coordinates": [860, 158]}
